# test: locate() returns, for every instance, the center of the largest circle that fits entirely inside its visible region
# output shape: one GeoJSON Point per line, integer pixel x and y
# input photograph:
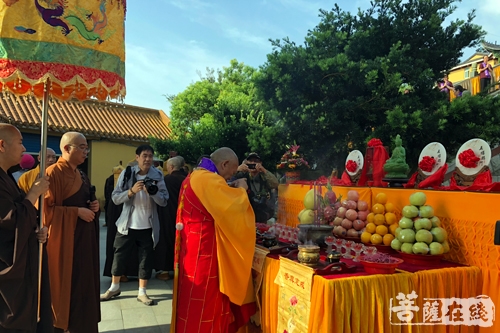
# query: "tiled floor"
{"type": "Point", "coordinates": [124, 314]}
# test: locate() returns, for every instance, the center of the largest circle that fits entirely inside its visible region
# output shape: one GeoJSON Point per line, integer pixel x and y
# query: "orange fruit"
{"type": "Point", "coordinates": [381, 198]}
{"type": "Point", "coordinates": [370, 228]}
{"type": "Point", "coordinates": [387, 239]}
{"type": "Point", "coordinates": [381, 230]}
{"type": "Point", "coordinates": [390, 218]}
{"type": "Point", "coordinates": [378, 208]}
{"type": "Point", "coordinates": [392, 228]}
{"type": "Point", "coordinates": [376, 239]}
{"type": "Point", "coordinates": [370, 218]}
{"type": "Point", "coordinates": [365, 237]}
{"type": "Point", "coordinates": [379, 219]}
{"type": "Point", "coordinates": [389, 207]}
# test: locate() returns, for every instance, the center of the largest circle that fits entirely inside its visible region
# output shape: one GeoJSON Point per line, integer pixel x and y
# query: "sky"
{"type": "Point", "coordinates": [169, 43]}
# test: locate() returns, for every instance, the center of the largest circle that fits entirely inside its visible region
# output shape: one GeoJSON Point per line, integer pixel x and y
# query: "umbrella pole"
{"type": "Point", "coordinates": [43, 159]}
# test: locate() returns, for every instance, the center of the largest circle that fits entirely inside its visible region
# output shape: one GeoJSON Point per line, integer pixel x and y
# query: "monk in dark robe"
{"type": "Point", "coordinates": [71, 214]}
{"type": "Point", "coordinates": [19, 246]}
{"type": "Point", "coordinates": [164, 250]}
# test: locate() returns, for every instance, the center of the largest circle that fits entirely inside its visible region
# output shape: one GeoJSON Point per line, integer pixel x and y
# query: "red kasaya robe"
{"type": "Point", "coordinates": [73, 251]}
{"type": "Point", "coordinates": [213, 290]}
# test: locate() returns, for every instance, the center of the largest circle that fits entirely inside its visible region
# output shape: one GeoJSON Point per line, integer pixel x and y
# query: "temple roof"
{"type": "Point", "coordinates": [92, 118]}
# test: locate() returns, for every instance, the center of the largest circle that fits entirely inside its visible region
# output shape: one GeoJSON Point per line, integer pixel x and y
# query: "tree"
{"type": "Point", "coordinates": [341, 87]}
{"type": "Point", "coordinates": [221, 109]}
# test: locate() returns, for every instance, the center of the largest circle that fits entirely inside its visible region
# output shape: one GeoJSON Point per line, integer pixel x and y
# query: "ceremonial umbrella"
{"type": "Point", "coordinates": [67, 49]}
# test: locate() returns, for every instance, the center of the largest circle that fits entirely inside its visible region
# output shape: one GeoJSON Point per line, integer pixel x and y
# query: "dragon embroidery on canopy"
{"type": "Point", "coordinates": [98, 24]}
{"type": "Point", "coordinates": [52, 14]}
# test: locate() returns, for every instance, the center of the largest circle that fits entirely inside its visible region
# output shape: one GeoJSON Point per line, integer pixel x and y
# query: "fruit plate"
{"type": "Point", "coordinates": [436, 150]}
{"type": "Point", "coordinates": [421, 259]}
{"type": "Point", "coordinates": [357, 157]}
{"type": "Point", "coordinates": [381, 268]}
{"type": "Point", "coordinates": [481, 149]}
{"type": "Point", "coordinates": [384, 248]}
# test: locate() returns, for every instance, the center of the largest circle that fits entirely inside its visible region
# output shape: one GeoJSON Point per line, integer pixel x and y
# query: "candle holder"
{"type": "Point", "coordinates": [329, 241]}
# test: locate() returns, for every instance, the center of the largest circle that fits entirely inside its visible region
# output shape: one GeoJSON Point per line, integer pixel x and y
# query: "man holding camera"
{"type": "Point", "coordinates": [141, 189]}
{"type": "Point", "coordinates": [261, 183]}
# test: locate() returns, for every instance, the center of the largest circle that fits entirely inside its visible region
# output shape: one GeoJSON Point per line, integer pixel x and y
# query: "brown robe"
{"type": "Point", "coordinates": [73, 250]}
{"type": "Point", "coordinates": [19, 250]}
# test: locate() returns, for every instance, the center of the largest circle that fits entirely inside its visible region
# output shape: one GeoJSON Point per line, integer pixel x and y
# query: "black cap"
{"type": "Point", "coordinates": [254, 156]}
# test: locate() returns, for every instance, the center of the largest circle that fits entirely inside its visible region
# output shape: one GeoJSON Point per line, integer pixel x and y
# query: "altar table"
{"type": "Point", "coordinates": [361, 302]}
{"type": "Point", "coordinates": [468, 217]}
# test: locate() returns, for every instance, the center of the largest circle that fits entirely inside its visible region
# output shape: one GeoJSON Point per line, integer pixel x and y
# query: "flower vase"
{"type": "Point", "coordinates": [292, 176]}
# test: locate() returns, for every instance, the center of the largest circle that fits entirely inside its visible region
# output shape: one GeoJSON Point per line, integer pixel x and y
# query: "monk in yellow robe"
{"type": "Point", "coordinates": [71, 214]}
{"type": "Point", "coordinates": [28, 178]}
{"type": "Point", "coordinates": [213, 290]}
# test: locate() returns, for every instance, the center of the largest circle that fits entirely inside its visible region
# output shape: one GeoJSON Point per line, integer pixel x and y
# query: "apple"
{"type": "Point", "coordinates": [341, 212]}
{"type": "Point", "coordinates": [362, 205]}
{"type": "Point", "coordinates": [407, 248]}
{"type": "Point", "coordinates": [407, 236]}
{"type": "Point", "coordinates": [446, 246]}
{"type": "Point", "coordinates": [439, 234]}
{"type": "Point", "coordinates": [426, 211]}
{"type": "Point", "coordinates": [418, 199]}
{"type": "Point", "coordinates": [347, 224]}
{"type": "Point", "coordinates": [307, 217]}
{"type": "Point", "coordinates": [396, 244]}
{"type": "Point", "coordinates": [410, 211]}
{"type": "Point", "coordinates": [358, 224]}
{"type": "Point", "coordinates": [353, 195]}
{"type": "Point", "coordinates": [420, 248]}
{"type": "Point", "coordinates": [337, 221]}
{"type": "Point", "coordinates": [405, 223]}
{"type": "Point", "coordinates": [424, 236]}
{"type": "Point", "coordinates": [397, 231]}
{"type": "Point", "coordinates": [423, 223]}
{"type": "Point", "coordinates": [435, 221]}
{"type": "Point", "coordinates": [436, 248]}
{"type": "Point", "coordinates": [351, 214]}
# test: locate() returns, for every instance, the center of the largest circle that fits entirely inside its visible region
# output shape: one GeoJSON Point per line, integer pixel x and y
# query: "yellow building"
{"type": "Point", "coordinates": [113, 130]}
{"type": "Point", "coordinates": [466, 74]}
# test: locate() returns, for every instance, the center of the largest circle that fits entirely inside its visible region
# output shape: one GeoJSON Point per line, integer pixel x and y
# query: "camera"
{"type": "Point", "coordinates": [251, 166]}
{"type": "Point", "coordinates": [151, 186]}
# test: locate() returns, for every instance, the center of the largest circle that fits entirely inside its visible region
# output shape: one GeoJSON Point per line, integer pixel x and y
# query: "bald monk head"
{"type": "Point", "coordinates": [74, 148]}
{"type": "Point", "coordinates": [50, 157]}
{"type": "Point", "coordinates": [11, 146]}
{"type": "Point", "coordinates": [226, 162]}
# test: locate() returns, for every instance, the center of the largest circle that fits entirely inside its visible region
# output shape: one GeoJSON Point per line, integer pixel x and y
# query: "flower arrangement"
{"type": "Point", "coordinates": [292, 161]}
{"type": "Point", "coordinates": [351, 166]}
{"type": "Point", "coordinates": [374, 142]}
{"type": "Point", "coordinates": [468, 158]}
{"type": "Point", "coordinates": [427, 163]}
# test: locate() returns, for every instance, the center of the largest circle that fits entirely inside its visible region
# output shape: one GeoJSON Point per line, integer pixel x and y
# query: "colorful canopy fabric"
{"type": "Point", "coordinates": [79, 45]}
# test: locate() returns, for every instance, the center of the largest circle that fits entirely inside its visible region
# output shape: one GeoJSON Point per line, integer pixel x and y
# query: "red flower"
{"type": "Point", "coordinates": [374, 142]}
{"type": "Point", "coordinates": [293, 300]}
{"type": "Point", "coordinates": [468, 158]}
{"type": "Point", "coordinates": [427, 163]}
{"type": "Point", "coordinates": [351, 166]}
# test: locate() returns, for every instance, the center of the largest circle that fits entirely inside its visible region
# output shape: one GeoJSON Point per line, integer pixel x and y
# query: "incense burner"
{"type": "Point", "coordinates": [308, 255]}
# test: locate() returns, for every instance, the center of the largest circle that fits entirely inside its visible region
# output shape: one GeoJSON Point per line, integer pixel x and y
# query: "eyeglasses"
{"type": "Point", "coordinates": [82, 148]}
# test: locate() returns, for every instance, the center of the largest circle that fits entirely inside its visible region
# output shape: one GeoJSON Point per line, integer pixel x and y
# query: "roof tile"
{"type": "Point", "coordinates": [104, 120]}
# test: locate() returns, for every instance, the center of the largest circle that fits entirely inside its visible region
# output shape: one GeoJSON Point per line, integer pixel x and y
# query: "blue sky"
{"type": "Point", "coordinates": [168, 42]}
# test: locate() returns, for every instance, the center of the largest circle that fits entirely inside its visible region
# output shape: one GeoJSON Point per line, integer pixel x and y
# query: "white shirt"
{"type": "Point", "coordinates": [141, 214]}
